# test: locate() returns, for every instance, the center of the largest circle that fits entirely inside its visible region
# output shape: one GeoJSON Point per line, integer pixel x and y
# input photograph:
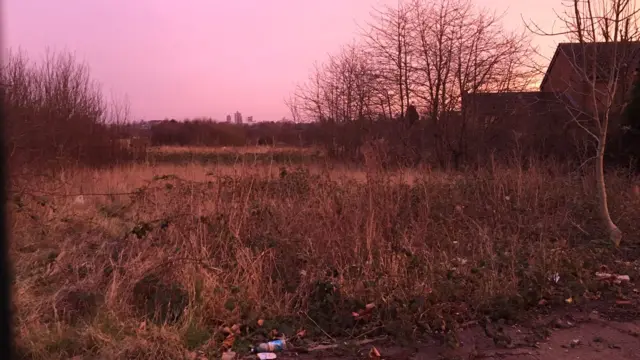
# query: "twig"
{"type": "Point", "coordinates": [370, 331]}
{"type": "Point", "coordinates": [318, 326]}
{"type": "Point", "coordinates": [333, 346]}
{"type": "Point", "coordinates": [496, 354]}
{"type": "Point", "coordinates": [200, 262]}
{"type": "Point", "coordinates": [579, 227]}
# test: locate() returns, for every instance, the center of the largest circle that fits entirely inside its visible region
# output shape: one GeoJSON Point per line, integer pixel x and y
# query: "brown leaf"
{"type": "Point", "coordinates": [374, 353]}
{"type": "Point", "coordinates": [228, 342]}
{"type": "Point", "coordinates": [364, 313]}
{"type": "Point", "coordinates": [143, 326]}
{"type": "Point", "coordinates": [235, 329]}
{"type": "Point", "coordinates": [542, 302]}
{"type": "Point", "coordinates": [301, 333]}
{"type": "Point", "coordinates": [260, 322]}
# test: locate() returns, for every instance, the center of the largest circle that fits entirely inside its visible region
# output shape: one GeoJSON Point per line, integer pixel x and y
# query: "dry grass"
{"type": "Point", "coordinates": [186, 249]}
{"type": "Point", "coordinates": [235, 156]}
{"type": "Point", "coordinates": [230, 149]}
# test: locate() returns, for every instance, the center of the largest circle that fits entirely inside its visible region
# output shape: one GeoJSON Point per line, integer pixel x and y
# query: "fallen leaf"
{"type": "Point", "coordinates": [228, 355]}
{"type": "Point", "coordinates": [235, 329]}
{"type": "Point", "coordinates": [260, 322]}
{"type": "Point", "coordinates": [542, 302]}
{"type": "Point", "coordinates": [228, 342]}
{"type": "Point", "coordinates": [374, 353]}
{"type": "Point", "coordinates": [143, 326]}
{"type": "Point", "coordinates": [364, 313]}
{"type": "Point", "coordinates": [301, 333]}
{"type": "Point", "coordinates": [226, 330]}
{"type": "Point", "coordinates": [569, 300]}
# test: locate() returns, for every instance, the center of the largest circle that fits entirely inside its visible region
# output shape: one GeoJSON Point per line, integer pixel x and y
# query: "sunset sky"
{"type": "Point", "coordinates": [209, 58]}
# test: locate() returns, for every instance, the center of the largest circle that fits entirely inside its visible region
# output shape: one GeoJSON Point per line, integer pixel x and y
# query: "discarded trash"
{"type": "Point", "coordinates": [617, 279]}
{"type": "Point", "coordinates": [555, 278]}
{"type": "Point", "coordinates": [623, 302]}
{"type": "Point", "coordinates": [228, 355]}
{"type": "Point", "coordinates": [574, 343]}
{"type": "Point", "coordinates": [271, 346]}
{"type": "Point", "coordinates": [569, 300]}
{"type": "Point", "coordinates": [267, 355]}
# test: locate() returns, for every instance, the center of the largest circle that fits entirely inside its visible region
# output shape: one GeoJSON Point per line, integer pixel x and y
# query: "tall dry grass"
{"type": "Point", "coordinates": [151, 261]}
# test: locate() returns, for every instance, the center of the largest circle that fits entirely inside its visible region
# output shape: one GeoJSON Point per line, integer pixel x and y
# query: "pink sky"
{"type": "Point", "coordinates": [208, 58]}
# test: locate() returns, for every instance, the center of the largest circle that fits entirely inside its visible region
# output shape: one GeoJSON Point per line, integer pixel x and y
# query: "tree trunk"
{"type": "Point", "coordinates": [615, 235]}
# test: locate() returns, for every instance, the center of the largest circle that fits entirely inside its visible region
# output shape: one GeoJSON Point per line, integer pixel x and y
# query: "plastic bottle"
{"type": "Point", "coordinates": [271, 346]}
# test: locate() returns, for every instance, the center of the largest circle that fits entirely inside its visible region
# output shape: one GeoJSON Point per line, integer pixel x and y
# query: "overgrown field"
{"type": "Point", "coordinates": [234, 155]}
{"type": "Point", "coordinates": [150, 262]}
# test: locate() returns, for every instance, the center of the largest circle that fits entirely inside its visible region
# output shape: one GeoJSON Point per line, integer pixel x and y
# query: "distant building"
{"type": "Point", "coordinates": [238, 118]}
{"type": "Point", "coordinates": [249, 119]}
{"type": "Point", "coordinates": [228, 118]}
{"type": "Point", "coordinates": [147, 125]}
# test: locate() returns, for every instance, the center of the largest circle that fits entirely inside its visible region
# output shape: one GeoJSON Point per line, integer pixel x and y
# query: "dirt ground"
{"type": "Point", "coordinates": [583, 335]}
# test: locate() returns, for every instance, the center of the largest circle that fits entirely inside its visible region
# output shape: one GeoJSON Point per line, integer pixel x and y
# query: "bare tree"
{"type": "Point", "coordinates": [602, 58]}
{"type": "Point", "coordinates": [420, 54]}
{"type": "Point", "coordinates": [388, 39]}
{"type": "Point", "coordinates": [56, 113]}
{"type": "Point", "coordinates": [341, 90]}
{"type": "Point", "coordinates": [459, 49]}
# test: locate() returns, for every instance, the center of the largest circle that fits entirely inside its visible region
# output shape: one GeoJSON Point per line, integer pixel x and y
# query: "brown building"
{"type": "Point", "coordinates": [565, 93]}
{"type": "Point", "coordinates": [575, 67]}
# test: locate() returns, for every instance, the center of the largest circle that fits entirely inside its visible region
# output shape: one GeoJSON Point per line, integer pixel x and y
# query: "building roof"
{"type": "Point", "coordinates": [603, 50]}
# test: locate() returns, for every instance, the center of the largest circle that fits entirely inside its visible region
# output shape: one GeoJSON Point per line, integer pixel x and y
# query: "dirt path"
{"type": "Point", "coordinates": [583, 336]}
